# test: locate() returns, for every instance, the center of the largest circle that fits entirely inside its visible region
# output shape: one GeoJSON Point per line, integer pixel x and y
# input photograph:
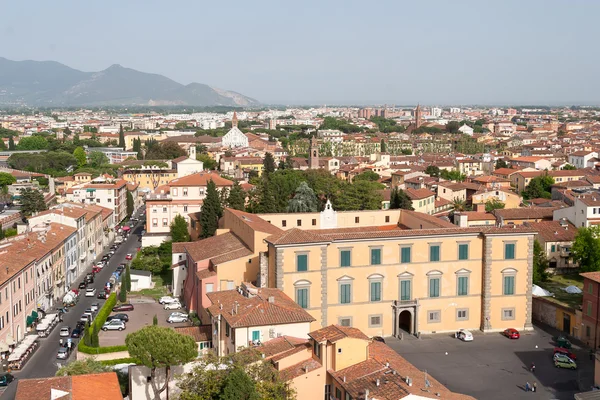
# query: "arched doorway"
{"type": "Point", "coordinates": [405, 321]}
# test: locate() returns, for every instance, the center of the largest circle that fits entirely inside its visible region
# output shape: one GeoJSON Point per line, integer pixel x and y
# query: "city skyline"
{"type": "Point", "coordinates": [434, 53]}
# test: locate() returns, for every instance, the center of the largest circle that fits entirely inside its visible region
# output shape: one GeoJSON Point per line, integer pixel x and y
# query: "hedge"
{"type": "Point", "coordinates": [105, 311]}
{"type": "Point", "coordinates": [97, 325]}
{"type": "Point", "coordinates": [99, 350]}
{"type": "Point", "coordinates": [128, 360]}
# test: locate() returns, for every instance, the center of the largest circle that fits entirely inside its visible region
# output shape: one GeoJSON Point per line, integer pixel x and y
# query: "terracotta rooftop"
{"type": "Point", "coordinates": [333, 333]}
{"type": "Point", "coordinates": [282, 346]}
{"type": "Point", "coordinates": [554, 231]}
{"type": "Point", "coordinates": [240, 311]}
{"type": "Point", "coordinates": [594, 276]}
{"type": "Point", "coordinates": [202, 333]}
{"type": "Point", "coordinates": [255, 222]}
{"type": "Point", "coordinates": [526, 213]}
{"type": "Point", "coordinates": [102, 386]}
{"type": "Point", "coordinates": [418, 194]}
{"type": "Point", "coordinates": [478, 216]}
{"type": "Point", "coordinates": [225, 247]}
{"type": "Point", "coordinates": [200, 179]}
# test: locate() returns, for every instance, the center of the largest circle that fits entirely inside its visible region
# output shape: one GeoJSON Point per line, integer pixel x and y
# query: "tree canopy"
{"type": "Point", "coordinates": [179, 230]}
{"type": "Point", "coordinates": [586, 248]}
{"type": "Point", "coordinates": [432, 170]}
{"type": "Point", "coordinates": [304, 200]}
{"type": "Point", "coordinates": [540, 263]}
{"type": "Point", "coordinates": [97, 159]}
{"type": "Point", "coordinates": [211, 211]}
{"type": "Point", "coordinates": [32, 201]}
{"type": "Point", "coordinates": [494, 204]}
{"type": "Point", "coordinates": [539, 187]}
{"type": "Point", "coordinates": [6, 179]}
{"type": "Point", "coordinates": [32, 143]}
{"type": "Point", "coordinates": [236, 198]}
{"type": "Point", "coordinates": [399, 199]}
{"type": "Point", "coordinates": [82, 367]}
{"type": "Point", "coordinates": [80, 156]}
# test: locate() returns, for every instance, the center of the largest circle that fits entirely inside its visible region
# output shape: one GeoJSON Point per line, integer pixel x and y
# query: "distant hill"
{"type": "Point", "coordinates": [48, 83]}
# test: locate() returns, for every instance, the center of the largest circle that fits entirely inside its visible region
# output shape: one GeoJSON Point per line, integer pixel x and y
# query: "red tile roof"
{"type": "Point", "coordinates": [225, 247]}
{"type": "Point", "coordinates": [200, 179]}
{"type": "Point", "coordinates": [202, 333]}
{"type": "Point", "coordinates": [418, 194]}
{"type": "Point", "coordinates": [333, 333]}
{"type": "Point", "coordinates": [102, 386]}
{"type": "Point", "coordinates": [553, 231]}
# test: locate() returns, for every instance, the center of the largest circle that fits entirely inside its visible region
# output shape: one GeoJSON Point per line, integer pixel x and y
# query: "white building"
{"type": "Point", "coordinates": [109, 193]}
{"type": "Point", "coordinates": [331, 135]}
{"type": "Point", "coordinates": [466, 129]}
{"type": "Point", "coordinates": [582, 159]}
{"type": "Point", "coordinates": [188, 165]}
{"type": "Point", "coordinates": [584, 212]}
{"type": "Point", "coordinates": [436, 112]}
{"type": "Point", "coordinates": [235, 137]}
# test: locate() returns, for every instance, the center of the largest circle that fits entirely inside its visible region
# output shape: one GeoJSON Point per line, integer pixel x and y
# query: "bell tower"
{"type": "Point", "coordinates": [418, 116]}
{"type": "Point", "coordinates": [313, 155]}
{"type": "Point", "coordinates": [234, 120]}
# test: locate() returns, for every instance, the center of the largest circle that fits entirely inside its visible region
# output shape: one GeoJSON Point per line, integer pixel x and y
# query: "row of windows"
{"type": "Point", "coordinates": [405, 255]}
{"type": "Point", "coordinates": [345, 295]}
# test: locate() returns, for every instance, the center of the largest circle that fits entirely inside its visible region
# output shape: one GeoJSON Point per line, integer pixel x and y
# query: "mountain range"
{"type": "Point", "coordinates": [52, 84]}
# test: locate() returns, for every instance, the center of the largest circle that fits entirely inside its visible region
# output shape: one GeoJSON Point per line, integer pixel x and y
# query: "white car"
{"type": "Point", "coordinates": [95, 307]}
{"type": "Point", "coordinates": [114, 325]}
{"type": "Point", "coordinates": [90, 292]}
{"type": "Point", "coordinates": [167, 300]}
{"type": "Point", "coordinates": [464, 335]}
{"type": "Point", "coordinates": [177, 317]}
{"type": "Point", "coordinates": [64, 332]}
{"type": "Point", "coordinates": [174, 305]}
{"type": "Point", "coordinates": [100, 264]}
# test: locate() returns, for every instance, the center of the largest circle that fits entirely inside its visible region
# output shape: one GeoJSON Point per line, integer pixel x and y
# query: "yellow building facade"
{"type": "Point", "coordinates": [415, 275]}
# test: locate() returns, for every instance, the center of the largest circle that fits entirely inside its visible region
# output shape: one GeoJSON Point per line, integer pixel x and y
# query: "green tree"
{"type": "Point", "coordinates": [493, 204]}
{"type": "Point", "coordinates": [432, 170]}
{"type": "Point", "coordinates": [304, 200]}
{"type": "Point", "coordinates": [452, 127]}
{"type": "Point", "coordinates": [2, 235]}
{"type": "Point", "coordinates": [32, 201]}
{"type": "Point", "coordinates": [97, 158]}
{"type": "Point", "coordinates": [236, 198]}
{"type": "Point", "coordinates": [586, 248]}
{"type": "Point", "coordinates": [6, 179]}
{"type": "Point", "coordinates": [155, 320]}
{"type": "Point", "coordinates": [359, 195]}
{"type": "Point", "coordinates": [82, 367]}
{"type": "Point", "coordinates": [459, 204]}
{"type": "Point", "coordinates": [137, 147]}
{"type": "Point", "coordinates": [80, 156]}
{"type": "Point", "coordinates": [453, 175]}
{"type": "Point", "coordinates": [148, 263]}
{"type": "Point", "coordinates": [128, 278]}
{"type": "Point", "coordinates": [539, 187]}
{"type": "Point", "coordinates": [207, 161]}
{"type": "Point", "coordinates": [2, 145]}
{"type": "Point", "coordinates": [33, 143]}
{"type": "Point", "coordinates": [129, 204]}
{"type": "Point", "coordinates": [239, 386]}
{"type": "Point", "coordinates": [500, 163]}
{"type": "Point", "coordinates": [87, 335]}
{"type": "Point", "coordinates": [569, 167]}
{"type": "Point", "coordinates": [268, 164]}
{"type": "Point", "coordinates": [121, 137]}
{"type": "Point", "coordinates": [179, 229]}
{"type": "Point", "coordinates": [400, 200]}
{"type": "Point", "coordinates": [367, 176]}
{"type": "Point", "coordinates": [383, 146]}
{"type": "Point", "coordinates": [94, 331]}
{"type": "Point", "coordinates": [122, 293]}
{"type": "Point", "coordinates": [540, 263]}
{"type": "Point", "coordinates": [211, 211]}
{"type": "Point", "coordinates": [158, 347]}
{"type": "Point", "coordinates": [11, 144]}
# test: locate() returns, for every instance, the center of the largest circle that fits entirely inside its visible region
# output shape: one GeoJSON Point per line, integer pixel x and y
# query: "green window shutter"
{"type": "Point", "coordinates": [255, 336]}
{"type": "Point", "coordinates": [509, 285]}
{"type": "Point", "coordinates": [405, 290]}
{"type": "Point", "coordinates": [302, 297]}
{"type": "Point", "coordinates": [302, 262]}
{"type": "Point", "coordinates": [375, 291]}
{"type": "Point", "coordinates": [463, 285]}
{"type": "Point", "coordinates": [434, 253]}
{"type": "Point", "coordinates": [553, 248]}
{"type": "Point", "coordinates": [434, 287]}
{"type": "Point", "coordinates": [463, 251]}
{"type": "Point", "coordinates": [509, 251]}
{"type": "Point", "coordinates": [345, 293]}
{"type": "Point", "coordinates": [375, 256]}
{"type": "Point", "coordinates": [345, 258]}
{"type": "Point", "coordinates": [405, 255]}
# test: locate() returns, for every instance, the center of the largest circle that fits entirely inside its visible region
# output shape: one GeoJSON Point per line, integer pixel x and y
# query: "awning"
{"type": "Point", "coordinates": [90, 190]}
{"type": "Point", "coordinates": [3, 347]}
{"type": "Point", "coordinates": [34, 314]}
{"type": "Point", "coordinates": [126, 228]}
{"type": "Point", "coordinates": [30, 320]}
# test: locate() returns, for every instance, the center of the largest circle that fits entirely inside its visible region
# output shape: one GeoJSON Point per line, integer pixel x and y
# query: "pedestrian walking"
{"type": "Point", "coordinates": [534, 387]}
{"type": "Point", "coordinates": [532, 368]}
{"type": "Point", "coordinates": [527, 387]}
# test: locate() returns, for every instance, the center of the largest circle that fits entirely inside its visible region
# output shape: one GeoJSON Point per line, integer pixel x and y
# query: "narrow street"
{"type": "Point", "coordinates": [43, 363]}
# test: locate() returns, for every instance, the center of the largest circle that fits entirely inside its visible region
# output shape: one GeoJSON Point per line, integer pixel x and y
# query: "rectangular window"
{"type": "Point", "coordinates": [589, 309]}
{"type": "Point", "coordinates": [405, 255]}
{"type": "Point", "coordinates": [255, 336]}
{"type": "Point", "coordinates": [588, 331]}
{"type": "Point", "coordinates": [345, 293]}
{"type": "Point", "coordinates": [299, 222]}
{"type": "Point", "coordinates": [434, 253]}
{"type": "Point", "coordinates": [509, 251]}
{"type": "Point", "coordinates": [553, 248]}
{"type": "Point", "coordinates": [210, 287]}
{"type": "Point", "coordinates": [302, 297]}
{"type": "Point", "coordinates": [284, 223]}
{"type": "Point", "coordinates": [345, 258]}
{"type": "Point", "coordinates": [227, 329]}
{"type": "Point", "coordinates": [590, 288]}
{"type": "Point", "coordinates": [345, 321]}
{"type": "Point", "coordinates": [314, 222]}
{"type": "Point", "coordinates": [375, 321]}
{"type": "Point", "coordinates": [434, 287]}
{"type": "Point", "coordinates": [375, 288]}
{"type": "Point", "coordinates": [462, 314]}
{"type": "Point", "coordinates": [509, 285]}
{"type": "Point", "coordinates": [356, 220]}
{"type": "Point", "coordinates": [387, 218]}
{"type": "Point", "coordinates": [301, 262]}
{"type": "Point", "coordinates": [375, 256]}
{"type": "Point", "coordinates": [463, 285]}
{"type": "Point", "coordinates": [508, 314]}
{"type": "Point", "coordinates": [463, 251]}
{"type": "Point", "coordinates": [185, 208]}
{"type": "Point", "coordinates": [405, 289]}
{"type": "Point", "coordinates": [338, 393]}
{"type": "Point", "coordinates": [434, 316]}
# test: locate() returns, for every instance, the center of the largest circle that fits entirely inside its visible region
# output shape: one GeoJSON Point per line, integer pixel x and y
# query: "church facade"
{"type": "Point", "coordinates": [235, 137]}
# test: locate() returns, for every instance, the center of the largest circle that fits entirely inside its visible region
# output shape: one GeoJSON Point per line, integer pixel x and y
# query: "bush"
{"type": "Point", "coordinates": [10, 232]}
{"type": "Point", "coordinates": [99, 350]}
{"type": "Point", "coordinates": [120, 361]}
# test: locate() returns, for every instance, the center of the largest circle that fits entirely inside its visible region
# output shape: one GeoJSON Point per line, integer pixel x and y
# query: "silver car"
{"type": "Point", "coordinates": [114, 325]}
{"type": "Point", "coordinates": [177, 317]}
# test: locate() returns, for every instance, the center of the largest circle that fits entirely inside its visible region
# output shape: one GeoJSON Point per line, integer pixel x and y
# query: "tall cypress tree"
{"type": "Point", "coordinates": [268, 164]}
{"type": "Point", "coordinates": [237, 197]}
{"type": "Point", "coordinates": [11, 143]}
{"type": "Point", "coordinates": [121, 137]}
{"type": "Point", "coordinates": [211, 211]}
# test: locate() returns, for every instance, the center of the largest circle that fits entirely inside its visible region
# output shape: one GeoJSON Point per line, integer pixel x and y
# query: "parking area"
{"type": "Point", "coordinates": [495, 367]}
{"type": "Point", "coordinates": [142, 315]}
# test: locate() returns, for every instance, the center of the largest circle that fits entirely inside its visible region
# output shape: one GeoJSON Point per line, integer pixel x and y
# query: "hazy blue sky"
{"type": "Point", "coordinates": [402, 52]}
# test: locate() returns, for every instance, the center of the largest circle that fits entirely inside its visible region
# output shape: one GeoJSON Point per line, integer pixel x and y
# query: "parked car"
{"type": "Point", "coordinates": [65, 331]}
{"type": "Point", "coordinates": [566, 352]}
{"type": "Point", "coordinates": [96, 269]}
{"type": "Point", "coordinates": [114, 325]}
{"type": "Point", "coordinates": [511, 333]}
{"type": "Point", "coordinates": [121, 267]}
{"type": "Point", "coordinates": [129, 256]}
{"type": "Point", "coordinates": [100, 264]}
{"type": "Point", "coordinates": [63, 353]}
{"type": "Point", "coordinates": [464, 335]}
{"type": "Point", "coordinates": [85, 318]}
{"type": "Point", "coordinates": [76, 333]}
{"type": "Point", "coordinates": [562, 361]}
{"type": "Point", "coordinates": [95, 307]}
{"type": "Point", "coordinates": [91, 292]}
{"type": "Point", "coordinates": [177, 317]}
{"type": "Point", "coordinates": [143, 232]}
{"type": "Point", "coordinates": [167, 300]}
{"type": "Point", "coordinates": [6, 378]}
{"type": "Point", "coordinates": [563, 342]}
{"type": "Point", "coordinates": [88, 311]}
{"type": "Point", "coordinates": [83, 285]}
{"type": "Point", "coordinates": [123, 307]}
{"type": "Point", "coordinates": [378, 339]}
{"type": "Point", "coordinates": [122, 317]}
{"type": "Point", "coordinates": [105, 257]}
{"type": "Point", "coordinates": [89, 278]}
{"type": "Point", "coordinates": [103, 295]}
{"type": "Point", "coordinates": [80, 325]}
{"type": "Point", "coordinates": [174, 305]}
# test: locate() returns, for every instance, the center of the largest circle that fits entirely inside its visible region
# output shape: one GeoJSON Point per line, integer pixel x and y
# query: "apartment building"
{"type": "Point", "coordinates": [556, 238]}
{"type": "Point", "coordinates": [591, 309]}
{"type": "Point", "coordinates": [182, 196]}
{"type": "Point", "coordinates": [105, 192]}
{"type": "Point", "coordinates": [423, 200]}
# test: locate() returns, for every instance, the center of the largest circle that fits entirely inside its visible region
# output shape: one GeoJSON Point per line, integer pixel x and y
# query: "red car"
{"type": "Point", "coordinates": [128, 256]}
{"type": "Point", "coordinates": [96, 269]}
{"type": "Point", "coordinates": [566, 352]}
{"type": "Point", "coordinates": [511, 333]}
{"type": "Point", "coordinates": [123, 307]}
